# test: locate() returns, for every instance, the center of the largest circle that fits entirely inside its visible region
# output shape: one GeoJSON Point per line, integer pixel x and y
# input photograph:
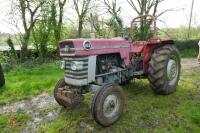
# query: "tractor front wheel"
{"type": "Point", "coordinates": [164, 69]}
{"type": "Point", "coordinates": [108, 104]}
{"type": "Point", "coordinates": [67, 96]}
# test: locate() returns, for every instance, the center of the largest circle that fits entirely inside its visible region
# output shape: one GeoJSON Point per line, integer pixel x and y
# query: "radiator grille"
{"type": "Point", "coordinates": [78, 74]}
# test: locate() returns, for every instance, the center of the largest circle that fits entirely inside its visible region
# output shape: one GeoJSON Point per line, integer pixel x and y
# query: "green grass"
{"type": "Point", "coordinates": [144, 111]}
{"type": "Point", "coordinates": [189, 53]}
{"type": "Point", "coordinates": [23, 83]}
{"type": "Point", "coordinates": [13, 123]}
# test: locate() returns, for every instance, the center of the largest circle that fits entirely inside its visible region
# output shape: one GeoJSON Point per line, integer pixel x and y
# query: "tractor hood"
{"type": "Point", "coordinates": [86, 47]}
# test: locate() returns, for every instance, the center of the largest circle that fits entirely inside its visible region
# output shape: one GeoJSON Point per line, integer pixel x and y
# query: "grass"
{"type": "Point", "coordinates": [23, 83]}
{"type": "Point", "coordinates": [189, 53]}
{"type": "Point", "coordinates": [12, 123]}
{"type": "Point", "coordinates": [144, 111]}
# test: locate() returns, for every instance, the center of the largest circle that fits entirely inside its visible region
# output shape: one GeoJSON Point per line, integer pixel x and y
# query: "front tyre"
{"type": "Point", "coordinates": [164, 69]}
{"type": "Point", "coordinates": [60, 84]}
{"type": "Point", "coordinates": [67, 96]}
{"type": "Point", "coordinates": [108, 104]}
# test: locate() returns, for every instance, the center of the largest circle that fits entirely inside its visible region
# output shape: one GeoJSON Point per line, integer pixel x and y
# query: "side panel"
{"type": "Point", "coordinates": [91, 68]}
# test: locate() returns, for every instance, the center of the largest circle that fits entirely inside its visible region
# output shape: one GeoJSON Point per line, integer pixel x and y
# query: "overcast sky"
{"type": "Point", "coordinates": [172, 19]}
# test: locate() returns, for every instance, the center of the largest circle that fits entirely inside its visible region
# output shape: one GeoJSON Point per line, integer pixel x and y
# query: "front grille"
{"type": "Point", "coordinates": [78, 74]}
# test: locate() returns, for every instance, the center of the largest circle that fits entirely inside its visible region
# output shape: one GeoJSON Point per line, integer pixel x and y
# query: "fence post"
{"type": "Point", "coordinates": [198, 58]}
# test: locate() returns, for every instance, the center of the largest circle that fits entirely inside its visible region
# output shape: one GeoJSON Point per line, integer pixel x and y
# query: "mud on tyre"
{"type": "Point", "coordinates": [67, 96]}
{"type": "Point", "coordinates": [164, 69]}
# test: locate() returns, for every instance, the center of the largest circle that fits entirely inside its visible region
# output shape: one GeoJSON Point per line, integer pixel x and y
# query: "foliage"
{"type": "Point", "coordinates": [99, 25]}
{"type": "Point", "coordinates": [31, 8]}
{"type": "Point", "coordinates": [81, 8]}
{"type": "Point", "coordinates": [115, 21]}
{"type": "Point", "coordinates": [41, 31]}
{"type": "Point", "coordinates": [57, 18]}
{"type": "Point", "coordinates": [145, 7]}
{"type": "Point", "coordinates": [7, 62]}
{"type": "Point", "coordinates": [188, 48]}
{"type": "Point", "coordinates": [181, 33]}
{"type": "Point", "coordinates": [46, 29]}
{"type": "Point", "coordinates": [12, 48]}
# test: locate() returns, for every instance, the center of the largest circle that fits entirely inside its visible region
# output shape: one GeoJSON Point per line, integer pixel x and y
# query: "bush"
{"type": "Point", "coordinates": [188, 48]}
{"type": "Point", "coordinates": [8, 63]}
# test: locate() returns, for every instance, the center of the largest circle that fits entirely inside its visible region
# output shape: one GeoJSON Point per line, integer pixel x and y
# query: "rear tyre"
{"type": "Point", "coordinates": [164, 69]}
{"type": "Point", "coordinates": [108, 104]}
{"type": "Point", "coordinates": [2, 80]}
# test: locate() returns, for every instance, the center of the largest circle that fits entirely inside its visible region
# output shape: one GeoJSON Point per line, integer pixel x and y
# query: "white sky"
{"type": "Point", "coordinates": [172, 19]}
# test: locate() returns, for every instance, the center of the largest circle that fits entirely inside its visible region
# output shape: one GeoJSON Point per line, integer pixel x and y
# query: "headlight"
{"type": "Point", "coordinates": [77, 65]}
{"type": "Point", "coordinates": [87, 45]}
{"type": "Point", "coordinates": [62, 64]}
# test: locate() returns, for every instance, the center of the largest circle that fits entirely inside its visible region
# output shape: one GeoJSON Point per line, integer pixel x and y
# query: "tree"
{"type": "Point", "coordinates": [57, 18]}
{"type": "Point", "coordinates": [144, 7]}
{"type": "Point", "coordinates": [190, 22]}
{"type": "Point", "coordinates": [42, 29]}
{"type": "Point", "coordinates": [99, 25]}
{"type": "Point", "coordinates": [81, 7]}
{"type": "Point", "coordinates": [115, 22]}
{"type": "Point", "coordinates": [28, 11]}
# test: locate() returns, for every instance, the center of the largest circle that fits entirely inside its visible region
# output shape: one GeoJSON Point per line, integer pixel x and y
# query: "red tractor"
{"type": "Point", "coordinates": [102, 65]}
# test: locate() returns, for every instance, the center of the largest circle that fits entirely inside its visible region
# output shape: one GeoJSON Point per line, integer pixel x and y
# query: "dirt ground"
{"type": "Point", "coordinates": [188, 63]}
{"type": "Point", "coordinates": [44, 109]}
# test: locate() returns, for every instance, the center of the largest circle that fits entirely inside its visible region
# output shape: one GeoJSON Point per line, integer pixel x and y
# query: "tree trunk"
{"type": "Point", "coordinates": [43, 51]}
{"type": "Point", "coordinates": [80, 28]}
{"type": "Point", "coordinates": [24, 49]}
{"type": "Point", "coordinates": [24, 53]}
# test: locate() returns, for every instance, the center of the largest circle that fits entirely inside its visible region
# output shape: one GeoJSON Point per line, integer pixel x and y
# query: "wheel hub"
{"type": "Point", "coordinates": [110, 106]}
{"type": "Point", "coordinates": [171, 69]}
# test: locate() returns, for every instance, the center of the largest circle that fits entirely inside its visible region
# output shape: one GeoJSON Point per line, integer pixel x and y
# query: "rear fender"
{"type": "Point", "coordinates": [149, 49]}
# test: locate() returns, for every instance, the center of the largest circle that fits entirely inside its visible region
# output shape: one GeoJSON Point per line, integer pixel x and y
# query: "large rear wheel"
{"type": "Point", "coordinates": [108, 104]}
{"type": "Point", "coordinates": [2, 80]}
{"type": "Point", "coordinates": [164, 69]}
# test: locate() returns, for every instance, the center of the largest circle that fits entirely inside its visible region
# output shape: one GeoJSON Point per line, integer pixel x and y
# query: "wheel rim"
{"type": "Point", "coordinates": [172, 70]}
{"type": "Point", "coordinates": [111, 106]}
